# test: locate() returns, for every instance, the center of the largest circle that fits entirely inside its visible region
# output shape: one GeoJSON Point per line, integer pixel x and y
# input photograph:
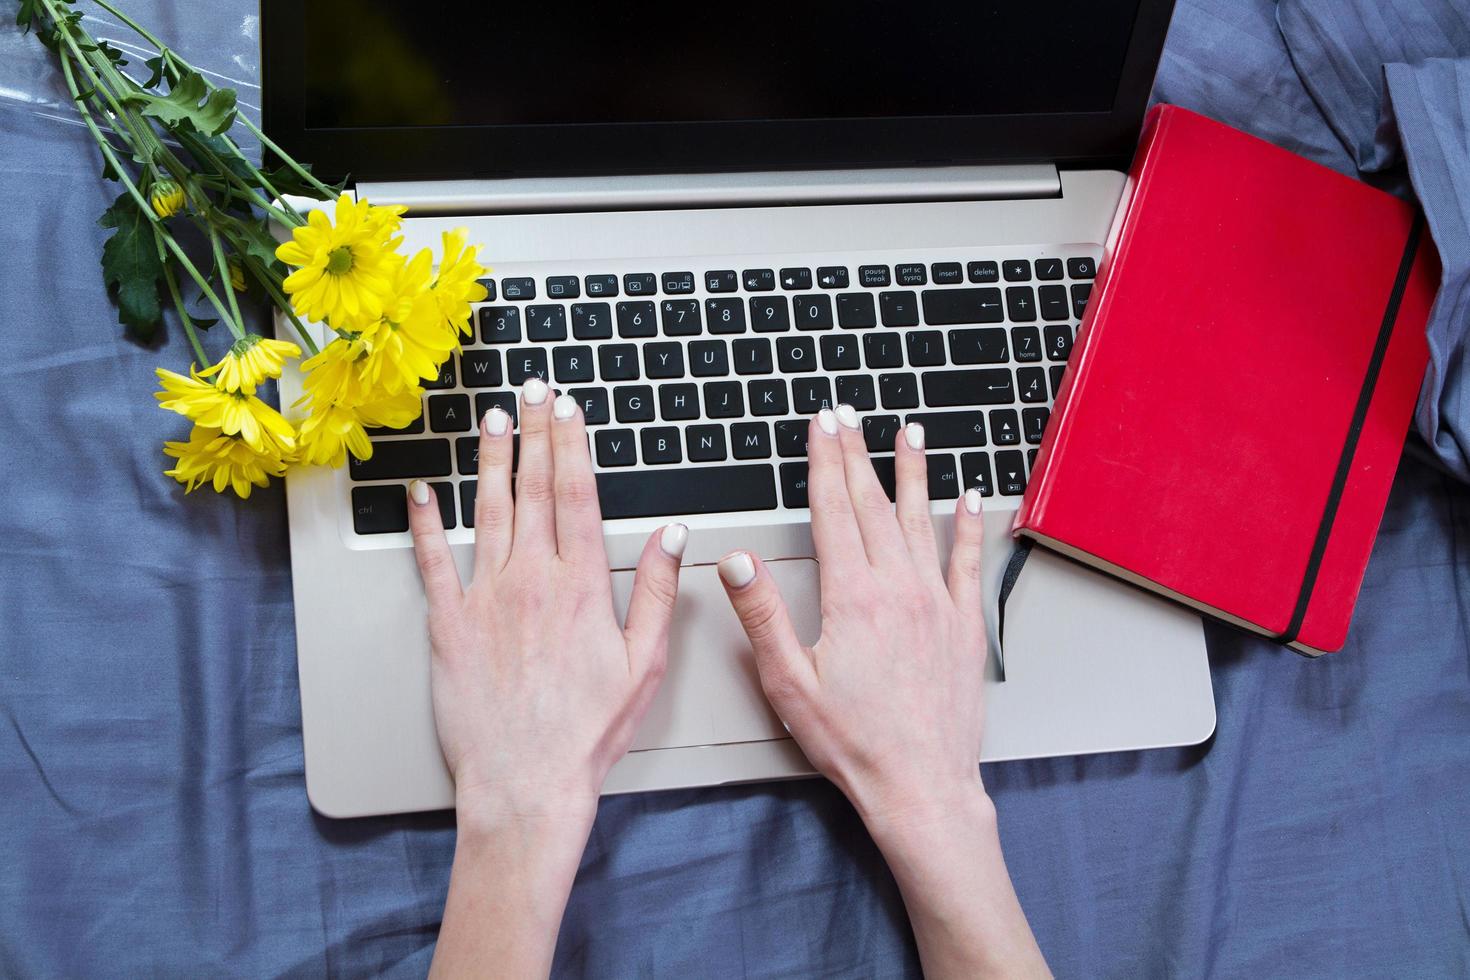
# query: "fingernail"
{"type": "Point", "coordinates": [564, 407]}
{"type": "Point", "coordinates": [972, 501]}
{"type": "Point", "coordinates": [827, 421]}
{"type": "Point", "coordinates": [418, 490]}
{"type": "Point", "coordinates": [847, 416]}
{"type": "Point", "coordinates": [534, 391]}
{"type": "Point", "coordinates": [737, 569]}
{"type": "Point", "coordinates": [673, 540]}
{"type": "Point", "coordinates": [496, 421]}
{"type": "Point", "coordinates": [913, 434]}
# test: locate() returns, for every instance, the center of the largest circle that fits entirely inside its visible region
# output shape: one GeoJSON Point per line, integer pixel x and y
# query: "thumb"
{"type": "Point", "coordinates": [779, 656]}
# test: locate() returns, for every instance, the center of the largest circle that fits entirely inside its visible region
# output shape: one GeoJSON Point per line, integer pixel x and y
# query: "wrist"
{"type": "Point", "coordinates": [912, 819]}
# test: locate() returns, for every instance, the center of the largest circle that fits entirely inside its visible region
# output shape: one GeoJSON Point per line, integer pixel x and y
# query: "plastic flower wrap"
{"type": "Point", "coordinates": [392, 320]}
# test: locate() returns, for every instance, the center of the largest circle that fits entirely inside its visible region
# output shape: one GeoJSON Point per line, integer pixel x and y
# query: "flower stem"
{"type": "Point", "coordinates": [173, 290]}
{"type": "Point", "coordinates": [222, 264]}
{"type": "Point", "coordinates": [265, 279]}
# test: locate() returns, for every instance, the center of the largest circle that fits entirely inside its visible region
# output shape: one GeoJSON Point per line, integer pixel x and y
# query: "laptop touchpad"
{"type": "Point", "coordinates": [711, 693]}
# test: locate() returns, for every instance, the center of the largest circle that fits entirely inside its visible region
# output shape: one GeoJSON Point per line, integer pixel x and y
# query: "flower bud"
{"type": "Point", "coordinates": [167, 198]}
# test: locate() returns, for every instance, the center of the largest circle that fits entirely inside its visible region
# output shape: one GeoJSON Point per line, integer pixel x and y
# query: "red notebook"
{"type": "Point", "coordinates": [1238, 396]}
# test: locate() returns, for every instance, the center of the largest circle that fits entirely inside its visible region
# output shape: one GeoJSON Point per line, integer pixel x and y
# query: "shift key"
{"type": "Point", "coordinates": [981, 386]}
{"type": "Point", "coordinates": [402, 458]}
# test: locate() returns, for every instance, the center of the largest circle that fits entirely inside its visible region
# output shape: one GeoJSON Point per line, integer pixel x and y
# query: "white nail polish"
{"type": "Point", "coordinates": [496, 421]}
{"type": "Point", "coordinates": [419, 491]}
{"type": "Point", "coordinates": [738, 570]}
{"type": "Point", "coordinates": [673, 539]}
{"type": "Point", "coordinates": [913, 434]}
{"type": "Point", "coordinates": [564, 407]}
{"type": "Point", "coordinates": [534, 391]}
{"type": "Point", "coordinates": [847, 415]}
{"type": "Point", "coordinates": [972, 501]}
{"type": "Point", "coordinates": [827, 421]}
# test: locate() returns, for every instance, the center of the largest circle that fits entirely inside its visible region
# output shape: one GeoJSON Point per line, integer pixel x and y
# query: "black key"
{"type": "Point", "coordinates": [709, 359]}
{"type": "Point", "coordinates": [978, 386]}
{"type": "Point", "coordinates": [379, 510]}
{"type": "Point", "coordinates": [1033, 424]}
{"type": "Point", "coordinates": [899, 390]}
{"type": "Point", "coordinates": [678, 283]}
{"type": "Point", "coordinates": [1005, 428]}
{"type": "Point", "coordinates": [521, 289]}
{"type": "Point", "coordinates": [856, 311]}
{"type": "Point", "coordinates": [1058, 341]}
{"type": "Point", "coordinates": [400, 459]}
{"type": "Point", "coordinates": [810, 395]}
{"type": "Point", "coordinates": [1031, 460]}
{"type": "Point", "coordinates": [946, 307]}
{"type": "Point", "coordinates": [1031, 383]}
{"type": "Point", "coordinates": [445, 378]}
{"type": "Point", "coordinates": [1020, 303]}
{"type": "Point", "coordinates": [947, 273]}
{"type": "Point", "coordinates": [696, 490]}
{"type": "Point", "coordinates": [592, 321]}
{"type": "Point", "coordinates": [411, 429]}
{"type": "Point", "coordinates": [1057, 373]}
{"type": "Point", "coordinates": [1010, 472]}
{"type": "Point", "coordinates": [724, 400]}
{"type": "Point", "coordinates": [900, 309]}
{"type": "Point", "coordinates": [594, 404]}
{"type": "Point", "coordinates": [489, 285]}
{"type": "Point", "coordinates": [926, 348]}
{"type": "Point", "coordinates": [1016, 270]}
{"type": "Point", "coordinates": [753, 356]}
{"type": "Point", "coordinates": [983, 272]}
{"type": "Point", "coordinates": [618, 362]}
{"type": "Point", "coordinates": [500, 324]}
{"type": "Point", "coordinates": [1048, 269]}
{"type": "Point", "coordinates": [450, 413]}
{"type": "Point", "coordinates": [882, 350]}
{"type": "Point", "coordinates": [615, 447]}
{"type": "Point", "coordinates": [640, 284]}
{"type": "Point", "coordinates": [791, 437]}
{"type": "Point", "coordinates": [857, 391]}
{"type": "Point", "coordinates": [813, 312]}
{"type": "Point", "coordinates": [601, 286]}
{"type": "Point", "coordinates": [678, 403]}
{"type": "Point", "coordinates": [768, 397]}
{"type": "Point", "coordinates": [522, 363]}
{"type": "Point", "coordinates": [705, 443]}
{"type": "Point", "coordinates": [879, 431]}
{"type": "Point", "coordinates": [487, 400]}
{"type": "Point", "coordinates": [950, 430]}
{"type": "Point", "coordinates": [572, 364]}
{"type": "Point", "coordinates": [839, 353]}
{"type": "Point", "coordinates": [1026, 342]}
{"type": "Point", "coordinates": [563, 287]}
{"type": "Point", "coordinates": [664, 360]}
{"type": "Point", "coordinates": [481, 369]}
{"type": "Point", "coordinates": [758, 280]}
{"type": "Point", "coordinates": [1083, 268]}
{"type": "Point", "coordinates": [725, 315]}
{"type": "Point", "coordinates": [874, 276]}
{"type": "Point", "coordinates": [721, 281]}
{"type": "Point", "coordinates": [636, 320]}
{"type": "Point", "coordinates": [1080, 295]}
{"type": "Point", "coordinates": [1053, 301]}
{"type": "Point", "coordinates": [975, 469]}
{"type": "Point", "coordinates": [661, 445]}
{"type": "Point", "coordinates": [793, 485]}
{"type": "Point", "coordinates": [832, 277]}
{"type": "Point", "coordinates": [681, 317]}
{"type": "Point", "coordinates": [984, 345]}
{"type": "Point", "coordinates": [883, 468]}
{"type": "Point", "coordinates": [750, 440]}
{"type": "Point", "coordinates": [546, 323]}
{"type": "Point", "coordinates": [467, 490]}
{"type": "Point", "coordinates": [944, 483]}
{"type": "Point", "coordinates": [913, 274]}
{"type": "Point", "coordinates": [796, 279]}
{"type": "Point", "coordinates": [796, 355]}
{"type": "Point", "coordinates": [770, 314]}
{"type": "Point", "coordinates": [633, 403]}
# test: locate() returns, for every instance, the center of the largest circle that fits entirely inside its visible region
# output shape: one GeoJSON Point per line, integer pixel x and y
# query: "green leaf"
{"type": "Point", "coordinates": [155, 64]}
{"type": "Point", "coordinates": [182, 106]}
{"type": "Point", "coordinates": [113, 55]}
{"type": "Point", "coordinates": [27, 15]}
{"type": "Point", "coordinates": [131, 267]}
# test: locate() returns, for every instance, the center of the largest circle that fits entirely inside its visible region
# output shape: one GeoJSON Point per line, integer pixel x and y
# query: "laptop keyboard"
{"type": "Point", "coordinates": [697, 387]}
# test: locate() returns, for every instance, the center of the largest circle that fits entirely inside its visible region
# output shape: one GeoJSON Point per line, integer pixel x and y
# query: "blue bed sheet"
{"type": "Point", "coordinates": [152, 813]}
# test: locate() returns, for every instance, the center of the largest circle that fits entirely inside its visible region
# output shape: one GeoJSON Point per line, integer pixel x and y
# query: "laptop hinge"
{"type": "Point", "coordinates": [661, 192]}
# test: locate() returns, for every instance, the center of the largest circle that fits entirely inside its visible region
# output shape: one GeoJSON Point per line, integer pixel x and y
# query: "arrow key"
{"type": "Point", "coordinates": [1010, 472]}
{"type": "Point", "coordinates": [1005, 428]}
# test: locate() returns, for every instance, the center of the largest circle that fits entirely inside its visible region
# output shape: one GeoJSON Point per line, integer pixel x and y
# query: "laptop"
{"type": "Point", "coordinates": [707, 223]}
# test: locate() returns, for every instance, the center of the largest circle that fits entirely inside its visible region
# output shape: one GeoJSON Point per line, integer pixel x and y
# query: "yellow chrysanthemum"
{"type": "Point", "coordinates": [262, 428]}
{"type": "Point", "coordinates": [457, 285]}
{"type": "Point", "coordinates": [250, 362]}
{"type": "Point", "coordinates": [412, 346]}
{"type": "Point", "coordinates": [334, 375]}
{"type": "Point", "coordinates": [345, 267]}
{"type": "Point", "coordinates": [167, 198]}
{"type": "Point", "coordinates": [212, 457]}
{"type": "Point", "coordinates": [394, 411]}
{"type": "Point", "coordinates": [237, 275]}
{"type": "Point", "coordinates": [328, 433]}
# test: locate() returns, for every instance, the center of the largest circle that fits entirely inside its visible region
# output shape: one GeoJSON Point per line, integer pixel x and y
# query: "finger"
{"type": "Point", "coordinates": [785, 668]}
{"type": "Point", "coordinates": [882, 541]}
{"type": "Point", "coordinates": [834, 528]}
{"type": "Point", "coordinates": [965, 577]}
{"type": "Point", "coordinates": [655, 588]}
{"type": "Point", "coordinates": [911, 475]}
{"type": "Point", "coordinates": [436, 565]}
{"type": "Point", "coordinates": [535, 504]}
{"type": "Point", "coordinates": [494, 508]}
{"type": "Point", "coordinates": [578, 517]}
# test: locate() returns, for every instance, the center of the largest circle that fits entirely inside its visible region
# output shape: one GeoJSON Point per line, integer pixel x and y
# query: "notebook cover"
{"type": "Point", "coordinates": [1200, 429]}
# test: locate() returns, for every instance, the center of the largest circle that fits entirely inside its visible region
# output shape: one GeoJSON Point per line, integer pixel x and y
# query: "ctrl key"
{"type": "Point", "coordinates": [384, 509]}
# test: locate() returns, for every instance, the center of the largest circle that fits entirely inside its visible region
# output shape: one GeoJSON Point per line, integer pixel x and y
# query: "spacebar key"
{"type": "Point", "coordinates": [696, 490]}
